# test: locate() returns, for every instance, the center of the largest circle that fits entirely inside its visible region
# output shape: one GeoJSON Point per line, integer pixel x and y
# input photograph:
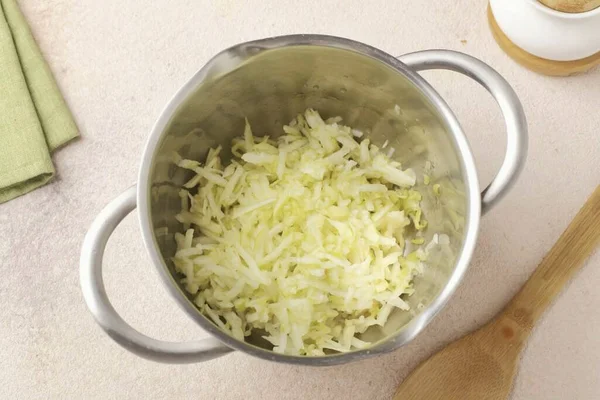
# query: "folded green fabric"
{"type": "Point", "coordinates": [34, 118]}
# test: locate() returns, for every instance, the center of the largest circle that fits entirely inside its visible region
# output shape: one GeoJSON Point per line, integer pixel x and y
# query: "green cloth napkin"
{"type": "Point", "coordinates": [34, 119]}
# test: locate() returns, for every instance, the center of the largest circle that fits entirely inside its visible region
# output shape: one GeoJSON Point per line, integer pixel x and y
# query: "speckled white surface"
{"type": "Point", "coordinates": [119, 61]}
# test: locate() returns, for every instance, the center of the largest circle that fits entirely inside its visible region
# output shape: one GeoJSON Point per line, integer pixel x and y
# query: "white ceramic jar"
{"type": "Point", "coordinates": [547, 33]}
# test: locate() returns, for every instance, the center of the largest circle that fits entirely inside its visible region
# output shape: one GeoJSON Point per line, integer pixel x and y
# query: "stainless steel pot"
{"type": "Point", "coordinates": [270, 81]}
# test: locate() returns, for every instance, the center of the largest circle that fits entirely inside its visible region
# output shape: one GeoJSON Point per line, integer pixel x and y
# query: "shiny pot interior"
{"type": "Point", "coordinates": [270, 82]}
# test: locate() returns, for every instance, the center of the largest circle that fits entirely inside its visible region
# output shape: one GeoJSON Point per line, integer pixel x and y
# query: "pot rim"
{"type": "Point", "coordinates": [467, 165]}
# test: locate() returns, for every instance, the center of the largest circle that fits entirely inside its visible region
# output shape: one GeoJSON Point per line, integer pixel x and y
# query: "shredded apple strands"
{"type": "Point", "coordinates": [301, 238]}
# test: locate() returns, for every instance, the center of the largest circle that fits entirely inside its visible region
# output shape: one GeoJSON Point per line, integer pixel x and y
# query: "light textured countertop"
{"type": "Point", "coordinates": [118, 62]}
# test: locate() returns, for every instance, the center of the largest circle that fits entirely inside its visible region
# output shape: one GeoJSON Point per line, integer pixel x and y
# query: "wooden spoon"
{"type": "Point", "coordinates": [482, 364]}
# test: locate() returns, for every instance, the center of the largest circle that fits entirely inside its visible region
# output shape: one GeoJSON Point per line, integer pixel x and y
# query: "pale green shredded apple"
{"type": "Point", "coordinates": [300, 239]}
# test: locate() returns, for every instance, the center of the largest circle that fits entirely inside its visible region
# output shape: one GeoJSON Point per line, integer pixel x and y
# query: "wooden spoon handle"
{"type": "Point", "coordinates": [564, 259]}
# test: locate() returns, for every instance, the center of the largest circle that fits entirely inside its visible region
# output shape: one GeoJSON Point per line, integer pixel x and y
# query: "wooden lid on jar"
{"type": "Point", "coordinates": [571, 6]}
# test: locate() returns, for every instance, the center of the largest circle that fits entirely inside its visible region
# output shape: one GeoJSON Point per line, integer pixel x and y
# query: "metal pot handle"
{"type": "Point", "coordinates": [505, 96]}
{"type": "Point", "coordinates": [107, 317]}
